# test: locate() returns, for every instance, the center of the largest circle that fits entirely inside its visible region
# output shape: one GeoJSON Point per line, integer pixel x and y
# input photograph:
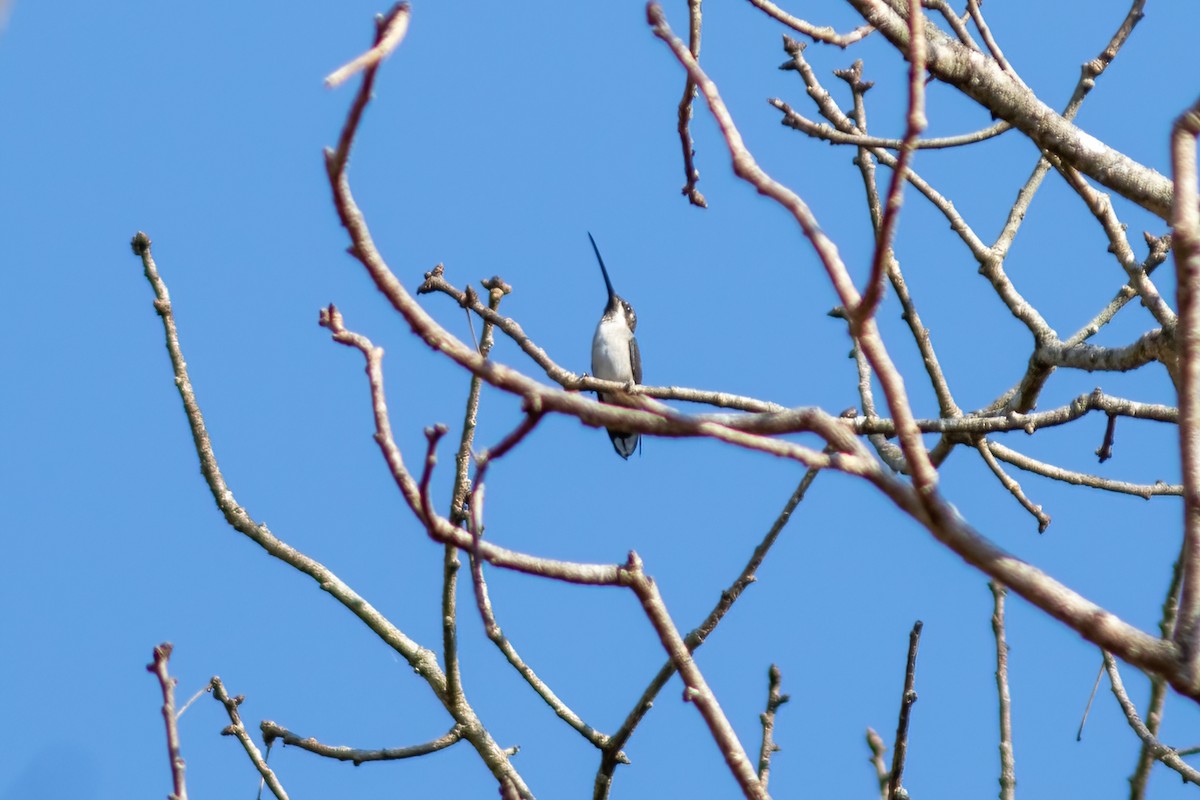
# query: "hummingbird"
{"type": "Point", "coordinates": [615, 355]}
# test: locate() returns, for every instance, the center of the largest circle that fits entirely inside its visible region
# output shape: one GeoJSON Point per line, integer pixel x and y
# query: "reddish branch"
{"type": "Point", "coordinates": [162, 657]}
{"type": "Point", "coordinates": [915, 124]}
{"type": "Point", "coordinates": [1185, 224]}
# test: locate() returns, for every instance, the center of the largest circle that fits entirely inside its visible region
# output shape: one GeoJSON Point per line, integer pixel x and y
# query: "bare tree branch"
{"type": "Point", "coordinates": [1159, 750]}
{"type": "Point", "coordinates": [162, 658]}
{"type": "Point", "coordinates": [1158, 692]}
{"type": "Point", "coordinates": [774, 700]}
{"type": "Point", "coordinates": [1008, 773]}
{"type": "Point", "coordinates": [237, 730]}
{"type": "Point", "coordinates": [914, 125]}
{"type": "Point", "coordinates": [882, 774]}
{"type": "Point", "coordinates": [1185, 225]}
{"type": "Point", "coordinates": [1080, 478]}
{"type": "Point", "coordinates": [396, 26]}
{"type": "Point", "coordinates": [1043, 519]}
{"type": "Point", "coordinates": [821, 130]}
{"type": "Point", "coordinates": [484, 604]}
{"type": "Point", "coordinates": [817, 33]}
{"type": "Point", "coordinates": [272, 731]}
{"type": "Point", "coordinates": [685, 112]}
{"type": "Point", "coordinates": [697, 637]}
{"type": "Point", "coordinates": [900, 751]}
{"type": "Point", "coordinates": [697, 690]}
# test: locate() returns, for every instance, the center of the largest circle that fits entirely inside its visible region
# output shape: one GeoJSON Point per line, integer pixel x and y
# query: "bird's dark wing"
{"type": "Point", "coordinates": [635, 360]}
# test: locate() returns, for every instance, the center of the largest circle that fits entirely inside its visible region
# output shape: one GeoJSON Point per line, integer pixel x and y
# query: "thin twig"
{"type": "Point", "coordinates": [1095, 67]}
{"type": "Point", "coordinates": [900, 750]}
{"type": "Point", "coordinates": [1087, 709]}
{"type": "Point", "coordinates": [697, 637]}
{"type": "Point", "coordinates": [162, 658]}
{"type": "Point", "coordinates": [878, 748]}
{"type": "Point", "coordinates": [483, 600]}
{"type": "Point", "coordinates": [1043, 519]}
{"type": "Point", "coordinates": [1008, 773]}
{"type": "Point", "coordinates": [957, 24]}
{"type": "Point", "coordinates": [506, 647]}
{"type": "Point", "coordinates": [820, 130]}
{"type": "Point", "coordinates": [914, 124]}
{"type": "Point", "coordinates": [1157, 749]}
{"type": "Point", "coordinates": [690, 172]}
{"type": "Point", "coordinates": [696, 689]}
{"type": "Point", "coordinates": [1101, 206]}
{"type": "Point", "coordinates": [386, 29]}
{"type": "Point", "coordinates": [1030, 464]}
{"type": "Point", "coordinates": [1105, 450]}
{"type": "Point", "coordinates": [989, 41]}
{"type": "Point", "coordinates": [774, 700]}
{"type": "Point", "coordinates": [203, 691]}
{"type": "Point", "coordinates": [824, 34]}
{"type": "Point", "coordinates": [272, 731]}
{"type": "Point", "coordinates": [462, 486]}
{"type": "Point", "coordinates": [1158, 691]}
{"type": "Point", "coordinates": [866, 164]}
{"type": "Point", "coordinates": [238, 731]}
{"type": "Point", "coordinates": [397, 26]}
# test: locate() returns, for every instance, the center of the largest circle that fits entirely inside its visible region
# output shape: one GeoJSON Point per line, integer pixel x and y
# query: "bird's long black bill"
{"type": "Point", "coordinates": [603, 270]}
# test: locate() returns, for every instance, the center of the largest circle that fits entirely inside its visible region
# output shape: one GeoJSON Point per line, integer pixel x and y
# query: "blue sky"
{"type": "Point", "coordinates": [501, 134]}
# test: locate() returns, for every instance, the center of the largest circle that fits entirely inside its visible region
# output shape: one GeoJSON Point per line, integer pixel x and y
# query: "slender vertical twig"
{"type": "Point", "coordinates": [775, 699]}
{"type": "Point", "coordinates": [900, 750]}
{"type": "Point", "coordinates": [914, 124]}
{"type": "Point", "coordinates": [1008, 772]}
{"type": "Point", "coordinates": [162, 657]}
{"type": "Point", "coordinates": [462, 486]}
{"type": "Point", "coordinates": [1140, 778]}
{"type": "Point", "coordinates": [685, 112]}
{"type": "Point", "coordinates": [1088, 708]}
{"type": "Point", "coordinates": [878, 748]}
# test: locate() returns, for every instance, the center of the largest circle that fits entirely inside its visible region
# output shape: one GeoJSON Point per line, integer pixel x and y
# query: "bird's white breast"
{"type": "Point", "coordinates": [610, 351]}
